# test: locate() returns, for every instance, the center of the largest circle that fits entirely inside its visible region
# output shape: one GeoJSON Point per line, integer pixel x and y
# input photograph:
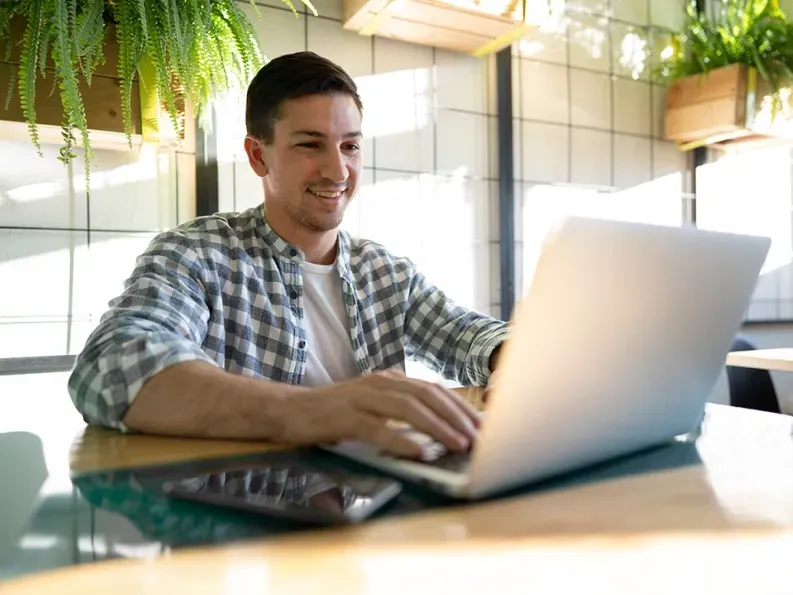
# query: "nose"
{"type": "Point", "coordinates": [334, 166]}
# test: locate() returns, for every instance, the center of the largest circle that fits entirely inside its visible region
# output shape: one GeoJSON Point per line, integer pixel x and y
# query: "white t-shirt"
{"type": "Point", "coordinates": [329, 356]}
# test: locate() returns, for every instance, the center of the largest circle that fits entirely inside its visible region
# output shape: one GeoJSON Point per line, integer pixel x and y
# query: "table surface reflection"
{"type": "Point", "coordinates": [709, 513]}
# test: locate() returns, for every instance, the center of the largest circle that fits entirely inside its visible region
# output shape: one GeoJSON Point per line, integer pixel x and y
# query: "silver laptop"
{"type": "Point", "coordinates": [615, 347]}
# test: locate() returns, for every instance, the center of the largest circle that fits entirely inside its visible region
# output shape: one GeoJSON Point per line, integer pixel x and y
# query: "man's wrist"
{"type": "Point", "coordinates": [493, 361]}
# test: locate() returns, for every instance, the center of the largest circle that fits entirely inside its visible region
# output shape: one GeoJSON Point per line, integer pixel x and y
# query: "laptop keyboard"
{"type": "Point", "coordinates": [452, 461]}
{"type": "Point", "coordinates": [436, 455]}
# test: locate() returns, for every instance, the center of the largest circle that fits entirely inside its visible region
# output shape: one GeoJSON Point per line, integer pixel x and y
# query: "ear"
{"type": "Point", "coordinates": [254, 148]}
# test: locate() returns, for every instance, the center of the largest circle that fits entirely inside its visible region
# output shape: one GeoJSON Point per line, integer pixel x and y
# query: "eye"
{"type": "Point", "coordinates": [308, 145]}
{"type": "Point", "coordinates": [352, 147]}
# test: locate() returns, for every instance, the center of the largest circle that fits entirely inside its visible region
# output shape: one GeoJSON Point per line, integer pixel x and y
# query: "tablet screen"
{"type": "Point", "coordinates": [293, 491]}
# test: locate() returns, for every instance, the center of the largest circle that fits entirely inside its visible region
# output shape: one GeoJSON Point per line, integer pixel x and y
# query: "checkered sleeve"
{"type": "Point", "coordinates": [160, 319]}
{"type": "Point", "coordinates": [452, 340]}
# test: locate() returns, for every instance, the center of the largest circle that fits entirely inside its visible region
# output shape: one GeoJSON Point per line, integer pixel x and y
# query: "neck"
{"type": "Point", "coordinates": [318, 246]}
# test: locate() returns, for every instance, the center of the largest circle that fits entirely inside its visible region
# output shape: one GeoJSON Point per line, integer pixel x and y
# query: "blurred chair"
{"type": "Point", "coordinates": [751, 388]}
{"type": "Point", "coordinates": [23, 473]}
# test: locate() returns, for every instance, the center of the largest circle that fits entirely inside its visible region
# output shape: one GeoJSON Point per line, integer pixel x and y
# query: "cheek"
{"type": "Point", "coordinates": [296, 170]}
{"type": "Point", "coordinates": [354, 167]}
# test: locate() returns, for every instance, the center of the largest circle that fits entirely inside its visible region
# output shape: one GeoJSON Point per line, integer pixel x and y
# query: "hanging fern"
{"type": "Point", "coordinates": [196, 49]}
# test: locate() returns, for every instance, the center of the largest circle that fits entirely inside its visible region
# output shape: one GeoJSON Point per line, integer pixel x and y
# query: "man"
{"type": "Point", "coordinates": [274, 324]}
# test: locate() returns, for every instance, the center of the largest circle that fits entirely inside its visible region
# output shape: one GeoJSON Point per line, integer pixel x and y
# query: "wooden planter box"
{"type": "Point", "coordinates": [728, 107]}
{"type": "Point", "coordinates": [102, 101]}
{"type": "Point", "coordinates": [438, 23]}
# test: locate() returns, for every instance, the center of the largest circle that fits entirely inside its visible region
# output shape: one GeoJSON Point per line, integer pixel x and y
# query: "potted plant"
{"type": "Point", "coordinates": [162, 54]}
{"type": "Point", "coordinates": [729, 76]}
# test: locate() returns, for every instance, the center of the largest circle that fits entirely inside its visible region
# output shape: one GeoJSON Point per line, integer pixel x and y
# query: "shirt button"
{"type": "Point", "coordinates": [293, 252]}
{"type": "Point", "coordinates": [293, 294]}
{"type": "Point", "coordinates": [302, 345]}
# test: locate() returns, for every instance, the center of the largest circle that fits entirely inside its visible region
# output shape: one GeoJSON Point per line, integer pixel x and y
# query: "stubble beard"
{"type": "Point", "coordinates": [306, 219]}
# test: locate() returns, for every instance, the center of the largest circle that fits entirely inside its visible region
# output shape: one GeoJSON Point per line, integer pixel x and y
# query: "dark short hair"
{"type": "Point", "coordinates": [289, 77]}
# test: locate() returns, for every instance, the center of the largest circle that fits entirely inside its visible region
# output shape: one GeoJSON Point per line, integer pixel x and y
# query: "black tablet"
{"type": "Point", "coordinates": [296, 492]}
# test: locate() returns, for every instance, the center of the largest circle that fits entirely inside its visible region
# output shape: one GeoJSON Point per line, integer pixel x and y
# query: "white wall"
{"type": "Point", "coordinates": [63, 255]}
{"type": "Point", "coordinates": [589, 122]}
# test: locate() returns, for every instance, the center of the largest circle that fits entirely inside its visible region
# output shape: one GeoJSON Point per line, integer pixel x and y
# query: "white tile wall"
{"type": "Point", "coordinates": [632, 11]}
{"type": "Point", "coordinates": [34, 267]}
{"type": "Point", "coordinates": [38, 191]}
{"type": "Point", "coordinates": [546, 152]}
{"type": "Point", "coordinates": [664, 13]}
{"type": "Point", "coordinates": [544, 92]}
{"type": "Point", "coordinates": [547, 45]}
{"type": "Point", "coordinates": [632, 159]}
{"type": "Point", "coordinates": [668, 159]}
{"type": "Point", "coordinates": [632, 107]}
{"type": "Point", "coordinates": [591, 157]}
{"type": "Point", "coordinates": [591, 126]}
{"type": "Point", "coordinates": [590, 99]}
{"type": "Point", "coordinates": [112, 253]}
{"type": "Point", "coordinates": [461, 82]}
{"type": "Point", "coordinates": [419, 102]}
{"type": "Point", "coordinates": [291, 29]}
{"type": "Point", "coordinates": [631, 51]}
{"type": "Point", "coordinates": [330, 9]}
{"type": "Point", "coordinates": [352, 51]}
{"type": "Point", "coordinates": [658, 106]}
{"type": "Point", "coordinates": [590, 42]}
{"type": "Point", "coordinates": [591, 6]}
{"type": "Point", "coordinates": [463, 144]}
{"type": "Point", "coordinates": [131, 190]}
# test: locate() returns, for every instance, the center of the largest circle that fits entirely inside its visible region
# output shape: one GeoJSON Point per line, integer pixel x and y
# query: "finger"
{"type": "Point", "coordinates": [374, 430]}
{"type": "Point", "coordinates": [467, 406]}
{"type": "Point", "coordinates": [456, 405]}
{"type": "Point", "coordinates": [406, 407]}
{"type": "Point", "coordinates": [445, 403]}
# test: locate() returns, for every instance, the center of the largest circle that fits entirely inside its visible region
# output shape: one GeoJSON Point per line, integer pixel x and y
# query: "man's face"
{"type": "Point", "coordinates": [311, 168]}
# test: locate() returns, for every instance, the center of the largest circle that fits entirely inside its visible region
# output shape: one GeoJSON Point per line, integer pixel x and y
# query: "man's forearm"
{"type": "Point", "coordinates": [201, 400]}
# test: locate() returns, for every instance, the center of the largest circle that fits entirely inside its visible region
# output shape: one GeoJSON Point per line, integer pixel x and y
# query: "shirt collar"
{"type": "Point", "coordinates": [292, 253]}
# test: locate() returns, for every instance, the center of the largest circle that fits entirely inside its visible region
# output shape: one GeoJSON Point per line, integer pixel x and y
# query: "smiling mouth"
{"type": "Point", "coordinates": [327, 194]}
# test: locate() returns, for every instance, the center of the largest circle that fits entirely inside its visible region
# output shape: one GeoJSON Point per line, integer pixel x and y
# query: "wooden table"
{"type": "Point", "coordinates": [719, 521]}
{"type": "Point", "coordinates": [780, 359]}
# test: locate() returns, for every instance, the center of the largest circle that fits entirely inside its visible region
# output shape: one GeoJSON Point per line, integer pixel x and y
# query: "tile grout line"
{"type": "Point", "coordinates": [305, 26]}
{"type": "Point", "coordinates": [585, 69]}
{"type": "Point", "coordinates": [611, 97]}
{"type": "Point", "coordinates": [374, 139]}
{"type": "Point", "coordinates": [652, 95]}
{"type": "Point", "coordinates": [434, 111]}
{"type": "Point", "coordinates": [569, 109]}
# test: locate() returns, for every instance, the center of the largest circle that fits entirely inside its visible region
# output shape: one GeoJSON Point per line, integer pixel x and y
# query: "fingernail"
{"type": "Point", "coordinates": [471, 429]}
{"type": "Point", "coordinates": [463, 442]}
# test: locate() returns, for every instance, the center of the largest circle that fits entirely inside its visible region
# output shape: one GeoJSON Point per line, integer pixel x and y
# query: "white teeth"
{"type": "Point", "coordinates": [325, 194]}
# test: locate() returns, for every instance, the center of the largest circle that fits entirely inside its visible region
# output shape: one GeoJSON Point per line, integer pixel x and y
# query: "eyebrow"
{"type": "Point", "coordinates": [317, 134]}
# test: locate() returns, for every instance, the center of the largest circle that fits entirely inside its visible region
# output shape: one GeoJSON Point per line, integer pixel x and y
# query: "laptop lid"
{"type": "Point", "coordinates": [615, 347]}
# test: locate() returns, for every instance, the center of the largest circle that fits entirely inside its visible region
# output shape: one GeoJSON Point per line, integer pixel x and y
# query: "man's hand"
{"type": "Point", "coordinates": [360, 409]}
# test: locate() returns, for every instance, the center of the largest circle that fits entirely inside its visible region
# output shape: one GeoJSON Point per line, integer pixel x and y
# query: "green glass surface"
{"type": "Point", "coordinates": [52, 519]}
{"type": "Point", "coordinates": [126, 514]}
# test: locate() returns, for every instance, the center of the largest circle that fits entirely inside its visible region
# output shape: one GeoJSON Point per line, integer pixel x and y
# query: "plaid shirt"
{"type": "Point", "coordinates": [228, 290]}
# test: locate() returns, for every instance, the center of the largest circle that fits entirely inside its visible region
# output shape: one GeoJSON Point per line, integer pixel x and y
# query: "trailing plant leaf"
{"type": "Point", "coordinates": [64, 55]}
{"type": "Point", "coordinates": [36, 16]}
{"type": "Point", "coordinates": [10, 93]}
{"type": "Point", "coordinates": [197, 49]}
{"type": "Point", "coordinates": [89, 36]}
{"type": "Point", "coordinates": [752, 32]}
